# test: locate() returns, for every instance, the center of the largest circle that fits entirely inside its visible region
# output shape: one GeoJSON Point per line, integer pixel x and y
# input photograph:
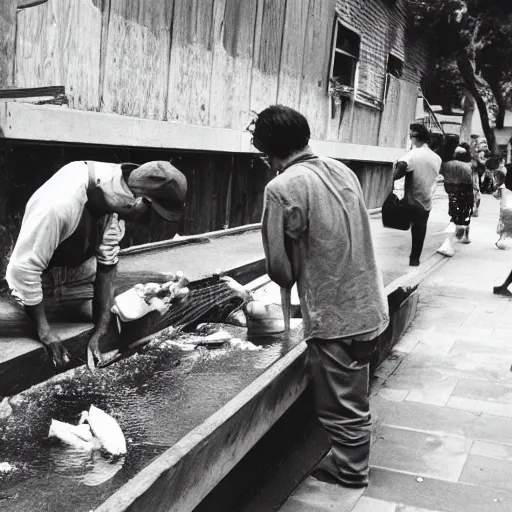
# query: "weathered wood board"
{"type": "Point", "coordinates": [137, 58]}
{"type": "Point", "coordinates": [315, 69]}
{"type": "Point", "coordinates": [267, 53]}
{"type": "Point", "coordinates": [294, 35]}
{"type": "Point", "coordinates": [58, 43]}
{"type": "Point", "coordinates": [191, 60]}
{"type": "Point", "coordinates": [365, 125]}
{"type": "Point", "coordinates": [399, 110]}
{"type": "Point", "coordinates": [233, 29]}
{"type": "Point", "coordinates": [7, 41]}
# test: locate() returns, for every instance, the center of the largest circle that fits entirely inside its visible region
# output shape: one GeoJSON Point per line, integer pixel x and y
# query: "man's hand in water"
{"type": "Point", "coordinates": [46, 336]}
{"type": "Point", "coordinates": [93, 350]}
{"type": "Point", "coordinates": [55, 349]}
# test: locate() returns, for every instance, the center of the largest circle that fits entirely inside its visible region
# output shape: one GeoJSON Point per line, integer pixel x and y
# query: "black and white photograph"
{"type": "Point", "coordinates": [256, 255]}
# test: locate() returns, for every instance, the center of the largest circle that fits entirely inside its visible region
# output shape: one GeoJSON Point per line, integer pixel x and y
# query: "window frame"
{"type": "Point", "coordinates": [338, 22]}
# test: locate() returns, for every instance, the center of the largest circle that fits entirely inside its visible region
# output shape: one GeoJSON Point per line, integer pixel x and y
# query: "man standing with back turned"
{"type": "Point", "coordinates": [316, 233]}
{"type": "Point", "coordinates": [420, 166]}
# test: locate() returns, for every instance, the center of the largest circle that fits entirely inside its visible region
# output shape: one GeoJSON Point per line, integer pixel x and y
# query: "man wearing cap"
{"type": "Point", "coordinates": [67, 249]}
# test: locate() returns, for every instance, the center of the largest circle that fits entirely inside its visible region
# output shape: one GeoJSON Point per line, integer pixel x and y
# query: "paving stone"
{"type": "Point", "coordinates": [408, 341]}
{"type": "Point", "coordinates": [468, 404]}
{"type": "Point", "coordinates": [313, 495]}
{"type": "Point", "coordinates": [506, 334]}
{"type": "Point", "coordinates": [463, 361]}
{"type": "Point", "coordinates": [495, 450]}
{"type": "Point", "coordinates": [432, 494]}
{"type": "Point", "coordinates": [389, 365]}
{"type": "Point", "coordinates": [394, 395]}
{"type": "Point", "coordinates": [427, 454]}
{"type": "Point", "coordinates": [430, 418]}
{"type": "Point", "coordinates": [434, 392]}
{"type": "Point", "coordinates": [489, 472]}
{"type": "Point", "coordinates": [406, 508]}
{"type": "Point", "coordinates": [372, 505]}
{"type": "Point", "coordinates": [484, 390]}
{"type": "Point", "coordinates": [435, 343]}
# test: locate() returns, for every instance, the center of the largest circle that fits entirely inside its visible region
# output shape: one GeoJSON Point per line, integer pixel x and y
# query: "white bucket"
{"type": "Point", "coordinates": [130, 306]}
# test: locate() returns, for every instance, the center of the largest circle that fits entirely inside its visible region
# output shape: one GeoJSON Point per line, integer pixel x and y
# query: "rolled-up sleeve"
{"type": "Point", "coordinates": [107, 252]}
{"type": "Point", "coordinates": [38, 239]}
{"type": "Point", "coordinates": [279, 267]}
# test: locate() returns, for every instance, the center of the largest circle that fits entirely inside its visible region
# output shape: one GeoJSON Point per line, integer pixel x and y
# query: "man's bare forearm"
{"type": "Point", "coordinates": [103, 296]}
{"type": "Point", "coordinates": [37, 314]}
{"type": "Point", "coordinates": [400, 170]}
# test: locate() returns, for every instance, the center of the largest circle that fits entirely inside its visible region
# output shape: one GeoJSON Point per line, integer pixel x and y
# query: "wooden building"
{"type": "Point", "coordinates": [181, 80]}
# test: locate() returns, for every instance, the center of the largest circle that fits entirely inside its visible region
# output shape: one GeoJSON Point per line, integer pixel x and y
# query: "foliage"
{"type": "Point", "coordinates": [473, 38]}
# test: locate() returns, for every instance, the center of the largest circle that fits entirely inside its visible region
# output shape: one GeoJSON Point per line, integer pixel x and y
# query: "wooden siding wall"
{"type": "Point", "coordinates": [58, 43]}
{"type": "Point", "coordinates": [399, 111]}
{"type": "Point", "coordinates": [7, 41]}
{"type": "Point", "coordinates": [208, 62]}
{"type": "Point", "coordinates": [208, 176]}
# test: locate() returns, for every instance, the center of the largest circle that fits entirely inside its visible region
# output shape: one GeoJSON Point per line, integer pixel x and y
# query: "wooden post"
{"type": "Point", "coordinates": [7, 41]}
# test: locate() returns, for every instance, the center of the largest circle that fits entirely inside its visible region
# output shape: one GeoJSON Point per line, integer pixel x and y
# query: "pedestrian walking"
{"type": "Point", "coordinates": [504, 229]}
{"type": "Point", "coordinates": [458, 184]}
{"type": "Point", "coordinates": [316, 233]}
{"type": "Point", "coordinates": [420, 166]}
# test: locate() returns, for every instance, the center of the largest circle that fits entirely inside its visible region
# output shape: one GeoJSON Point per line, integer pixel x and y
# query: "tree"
{"type": "Point", "coordinates": [474, 42]}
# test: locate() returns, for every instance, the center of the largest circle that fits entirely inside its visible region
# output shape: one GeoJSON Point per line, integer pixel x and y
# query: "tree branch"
{"type": "Point", "coordinates": [468, 75]}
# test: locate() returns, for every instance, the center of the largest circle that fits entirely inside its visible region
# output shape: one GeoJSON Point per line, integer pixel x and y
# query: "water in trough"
{"type": "Point", "coordinates": [157, 397]}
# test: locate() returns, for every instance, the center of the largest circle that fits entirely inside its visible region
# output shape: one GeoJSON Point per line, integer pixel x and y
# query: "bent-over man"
{"type": "Point", "coordinates": [67, 249]}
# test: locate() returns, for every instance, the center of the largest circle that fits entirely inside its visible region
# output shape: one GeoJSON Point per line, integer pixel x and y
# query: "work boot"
{"type": "Point", "coordinates": [465, 238]}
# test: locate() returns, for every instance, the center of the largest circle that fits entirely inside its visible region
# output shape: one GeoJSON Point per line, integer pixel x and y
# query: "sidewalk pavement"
{"type": "Point", "coordinates": [442, 402]}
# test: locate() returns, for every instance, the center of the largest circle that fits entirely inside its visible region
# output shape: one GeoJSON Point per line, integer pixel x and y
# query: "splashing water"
{"type": "Point", "coordinates": [157, 397]}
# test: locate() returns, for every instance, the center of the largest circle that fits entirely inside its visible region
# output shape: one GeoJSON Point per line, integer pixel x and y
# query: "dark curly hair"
{"type": "Point", "coordinates": [420, 131]}
{"type": "Point", "coordinates": [280, 131]}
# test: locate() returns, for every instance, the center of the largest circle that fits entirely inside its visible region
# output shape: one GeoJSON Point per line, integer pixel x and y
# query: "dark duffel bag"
{"type": "Point", "coordinates": [394, 215]}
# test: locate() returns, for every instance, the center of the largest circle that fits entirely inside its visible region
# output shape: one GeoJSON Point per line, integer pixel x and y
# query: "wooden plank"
{"type": "Point", "coordinates": [20, 121]}
{"type": "Point", "coordinates": [317, 51]}
{"type": "Point", "coordinates": [365, 125]}
{"type": "Point", "coordinates": [105, 20]}
{"type": "Point", "coordinates": [389, 118]}
{"type": "Point", "coordinates": [212, 449]}
{"type": "Point", "coordinates": [191, 62]}
{"type": "Point", "coordinates": [57, 43]}
{"type": "Point", "coordinates": [267, 53]}
{"type": "Point", "coordinates": [137, 58]}
{"type": "Point", "coordinates": [398, 113]}
{"type": "Point", "coordinates": [294, 33]}
{"type": "Point", "coordinates": [7, 41]}
{"type": "Point", "coordinates": [233, 29]}
{"type": "Point", "coordinates": [29, 3]}
{"type": "Point", "coordinates": [31, 92]}
{"type": "Point", "coordinates": [250, 175]}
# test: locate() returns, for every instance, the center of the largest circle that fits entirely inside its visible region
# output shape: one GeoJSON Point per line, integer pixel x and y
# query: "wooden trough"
{"type": "Point", "coordinates": [219, 465]}
{"type": "Point", "coordinates": [201, 470]}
